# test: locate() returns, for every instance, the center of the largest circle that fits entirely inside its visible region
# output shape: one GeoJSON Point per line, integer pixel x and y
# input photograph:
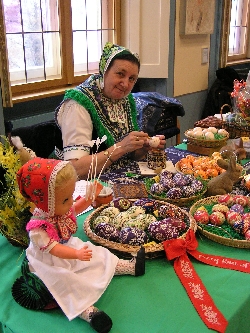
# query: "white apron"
{"type": "Point", "coordinates": [74, 284]}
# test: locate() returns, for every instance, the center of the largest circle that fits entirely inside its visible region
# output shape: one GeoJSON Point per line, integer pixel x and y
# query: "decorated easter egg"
{"type": "Point", "coordinates": [135, 211]}
{"type": "Point", "coordinates": [233, 217]}
{"type": "Point", "coordinates": [188, 191]}
{"type": "Point", "coordinates": [197, 185]}
{"type": "Point", "coordinates": [201, 216]}
{"type": "Point", "coordinates": [237, 208]}
{"type": "Point", "coordinates": [220, 208]}
{"type": "Point", "coordinates": [154, 141]}
{"type": "Point", "coordinates": [119, 220]}
{"type": "Point", "coordinates": [167, 183]}
{"type": "Point", "coordinates": [107, 231]}
{"type": "Point", "coordinates": [121, 203]}
{"type": "Point", "coordinates": [180, 179]}
{"type": "Point", "coordinates": [133, 236]}
{"type": "Point", "coordinates": [217, 218]}
{"type": "Point", "coordinates": [226, 199]}
{"type": "Point", "coordinates": [111, 212]}
{"type": "Point", "coordinates": [241, 200]}
{"type": "Point", "coordinates": [100, 219]}
{"type": "Point", "coordinates": [174, 193]}
{"type": "Point", "coordinates": [156, 188]}
{"type": "Point", "coordinates": [162, 230]}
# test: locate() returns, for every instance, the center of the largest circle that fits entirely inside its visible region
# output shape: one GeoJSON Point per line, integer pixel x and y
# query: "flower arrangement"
{"type": "Point", "coordinates": [14, 208]}
{"type": "Point", "coordinates": [241, 98]}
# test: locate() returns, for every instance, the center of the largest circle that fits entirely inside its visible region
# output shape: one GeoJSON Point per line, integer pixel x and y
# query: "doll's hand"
{"type": "Point", "coordinates": [84, 254]}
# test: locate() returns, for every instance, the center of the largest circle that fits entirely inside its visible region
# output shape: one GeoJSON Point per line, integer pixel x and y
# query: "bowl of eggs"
{"type": "Point", "coordinates": [207, 137]}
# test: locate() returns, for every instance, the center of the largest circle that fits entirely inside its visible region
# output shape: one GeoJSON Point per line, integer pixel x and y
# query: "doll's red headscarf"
{"type": "Point", "coordinates": [36, 180]}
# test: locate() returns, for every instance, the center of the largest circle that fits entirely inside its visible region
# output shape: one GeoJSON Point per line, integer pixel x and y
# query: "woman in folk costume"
{"type": "Point", "coordinates": [104, 105]}
{"type": "Point", "coordinates": [75, 273]}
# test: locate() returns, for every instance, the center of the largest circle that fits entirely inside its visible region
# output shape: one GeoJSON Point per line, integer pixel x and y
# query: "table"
{"type": "Point", "coordinates": [153, 303]}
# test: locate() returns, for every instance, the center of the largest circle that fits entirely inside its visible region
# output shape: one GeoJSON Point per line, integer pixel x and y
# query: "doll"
{"type": "Point", "coordinates": [75, 273]}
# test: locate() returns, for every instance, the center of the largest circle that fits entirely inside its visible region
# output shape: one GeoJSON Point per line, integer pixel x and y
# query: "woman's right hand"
{"type": "Point", "coordinates": [84, 254]}
{"type": "Point", "coordinates": [133, 141]}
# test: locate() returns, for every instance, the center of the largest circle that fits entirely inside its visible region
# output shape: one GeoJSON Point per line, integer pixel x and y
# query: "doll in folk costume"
{"type": "Point", "coordinates": [71, 272]}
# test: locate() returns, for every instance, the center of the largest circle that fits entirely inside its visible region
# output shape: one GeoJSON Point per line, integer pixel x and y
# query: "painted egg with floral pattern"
{"type": "Point", "coordinates": [111, 212]}
{"type": "Point", "coordinates": [162, 230]}
{"type": "Point", "coordinates": [135, 210]}
{"type": "Point", "coordinates": [201, 216]}
{"type": "Point", "coordinates": [100, 219]}
{"type": "Point", "coordinates": [174, 193]}
{"type": "Point", "coordinates": [217, 218]}
{"type": "Point", "coordinates": [121, 203]}
{"type": "Point", "coordinates": [156, 188]}
{"type": "Point", "coordinates": [133, 236]}
{"type": "Point", "coordinates": [233, 217]}
{"type": "Point", "coordinates": [237, 208]}
{"type": "Point", "coordinates": [180, 179]}
{"type": "Point", "coordinates": [107, 231]}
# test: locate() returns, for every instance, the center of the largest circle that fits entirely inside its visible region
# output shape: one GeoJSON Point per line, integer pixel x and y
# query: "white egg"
{"type": "Point", "coordinates": [154, 141]}
{"type": "Point", "coordinates": [197, 129]}
{"type": "Point", "coordinates": [205, 130]}
{"type": "Point", "coordinates": [213, 129]}
{"type": "Point", "coordinates": [190, 133]}
{"type": "Point", "coordinates": [223, 132]}
{"type": "Point", "coordinates": [209, 136]}
{"type": "Point", "coordinates": [198, 134]}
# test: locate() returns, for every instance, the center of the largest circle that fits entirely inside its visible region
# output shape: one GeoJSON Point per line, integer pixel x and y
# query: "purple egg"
{"type": "Point", "coordinates": [188, 191]}
{"type": "Point", "coordinates": [107, 231]}
{"type": "Point", "coordinates": [162, 230]}
{"type": "Point", "coordinates": [197, 185]}
{"type": "Point", "coordinates": [237, 208]}
{"type": "Point", "coordinates": [156, 188]}
{"type": "Point", "coordinates": [180, 180]}
{"type": "Point", "coordinates": [133, 236]}
{"type": "Point", "coordinates": [167, 183]}
{"type": "Point", "coordinates": [174, 193]}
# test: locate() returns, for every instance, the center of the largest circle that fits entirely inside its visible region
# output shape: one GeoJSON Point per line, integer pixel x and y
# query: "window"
{"type": "Point", "coordinates": [236, 32]}
{"type": "Point", "coordinates": [52, 44]}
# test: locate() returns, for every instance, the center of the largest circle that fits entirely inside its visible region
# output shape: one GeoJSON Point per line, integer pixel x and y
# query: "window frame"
{"type": "Point", "coordinates": [225, 59]}
{"type": "Point", "coordinates": [53, 87]}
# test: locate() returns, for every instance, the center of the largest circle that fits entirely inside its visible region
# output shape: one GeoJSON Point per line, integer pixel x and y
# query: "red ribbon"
{"type": "Point", "coordinates": [177, 249]}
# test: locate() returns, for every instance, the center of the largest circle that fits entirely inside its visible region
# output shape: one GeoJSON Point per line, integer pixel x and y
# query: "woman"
{"type": "Point", "coordinates": [103, 105]}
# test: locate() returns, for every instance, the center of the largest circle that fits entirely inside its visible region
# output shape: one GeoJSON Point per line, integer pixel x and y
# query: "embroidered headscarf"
{"type": "Point", "coordinates": [36, 180]}
{"type": "Point", "coordinates": [110, 52]}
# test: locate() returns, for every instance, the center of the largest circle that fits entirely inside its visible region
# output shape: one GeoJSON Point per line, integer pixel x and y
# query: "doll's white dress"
{"type": "Point", "coordinates": [74, 284]}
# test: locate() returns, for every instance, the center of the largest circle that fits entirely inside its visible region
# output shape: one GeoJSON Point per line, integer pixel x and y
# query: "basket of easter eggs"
{"type": "Point", "coordinates": [204, 167]}
{"type": "Point", "coordinates": [124, 225]}
{"type": "Point", "coordinates": [210, 137]}
{"type": "Point", "coordinates": [176, 188]}
{"type": "Point", "coordinates": [224, 219]}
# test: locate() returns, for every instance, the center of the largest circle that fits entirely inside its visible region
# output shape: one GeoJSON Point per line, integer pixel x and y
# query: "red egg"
{"type": "Point", "coordinates": [233, 217]}
{"type": "Point", "coordinates": [201, 216]}
{"type": "Point", "coordinates": [217, 218]}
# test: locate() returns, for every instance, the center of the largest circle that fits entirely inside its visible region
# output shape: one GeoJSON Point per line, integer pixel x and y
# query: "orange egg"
{"type": "Point", "coordinates": [212, 173]}
{"type": "Point", "coordinates": [200, 173]}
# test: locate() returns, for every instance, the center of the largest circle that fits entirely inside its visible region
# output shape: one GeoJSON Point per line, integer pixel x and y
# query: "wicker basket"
{"type": "Point", "coordinates": [235, 130]}
{"type": "Point", "coordinates": [225, 240]}
{"type": "Point", "coordinates": [152, 250]}
{"type": "Point", "coordinates": [206, 143]}
{"type": "Point", "coordinates": [181, 202]}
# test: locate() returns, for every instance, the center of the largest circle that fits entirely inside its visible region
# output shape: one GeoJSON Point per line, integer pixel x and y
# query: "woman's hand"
{"type": "Point", "coordinates": [133, 141]}
{"type": "Point", "coordinates": [84, 254]}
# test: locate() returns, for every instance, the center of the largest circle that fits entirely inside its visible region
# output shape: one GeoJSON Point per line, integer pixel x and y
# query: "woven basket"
{"type": "Point", "coordinates": [206, 143]}
{"type": "Point", "coordinates": [181, 202]}
{"type": "Point", "coordinates": [125, 250]}
{"type": "Point", "coordinates": [235, 130]}
{"type": "Point", "coordinates": [225, 240]}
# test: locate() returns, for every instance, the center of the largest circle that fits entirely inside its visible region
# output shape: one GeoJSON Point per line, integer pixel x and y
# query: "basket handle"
{"type": "Point", "coordinates": [221, 109]}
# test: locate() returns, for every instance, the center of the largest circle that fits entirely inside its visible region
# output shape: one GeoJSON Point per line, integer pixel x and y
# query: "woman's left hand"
{"type": "Point", "coordinates": [161, 145]}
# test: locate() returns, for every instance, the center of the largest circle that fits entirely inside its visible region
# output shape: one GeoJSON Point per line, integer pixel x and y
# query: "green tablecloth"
{"type": "Point", "coordinates": [153, 303]}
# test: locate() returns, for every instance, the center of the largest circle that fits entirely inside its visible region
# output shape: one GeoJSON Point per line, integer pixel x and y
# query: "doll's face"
{"type": "Point", "coordinates": [64, 197]}
{"type": "Point", "coordinates": [120, 78]}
